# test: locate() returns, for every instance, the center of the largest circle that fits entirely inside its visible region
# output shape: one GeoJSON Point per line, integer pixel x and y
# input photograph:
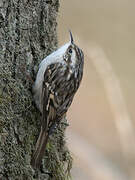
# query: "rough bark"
{"type": "Point", "coordinates": [27, 35]}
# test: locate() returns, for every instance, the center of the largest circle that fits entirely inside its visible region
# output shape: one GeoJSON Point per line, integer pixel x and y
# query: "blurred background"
{"type": "Point", "coordinates": [101, 135]}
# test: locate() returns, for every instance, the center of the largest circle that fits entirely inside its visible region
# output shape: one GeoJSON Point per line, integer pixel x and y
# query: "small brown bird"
{"type": "Point", "coordinates": [57, 81]}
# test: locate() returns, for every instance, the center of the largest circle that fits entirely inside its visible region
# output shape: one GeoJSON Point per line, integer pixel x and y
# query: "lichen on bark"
{"type": "Point", "coordinates": [27, 35]}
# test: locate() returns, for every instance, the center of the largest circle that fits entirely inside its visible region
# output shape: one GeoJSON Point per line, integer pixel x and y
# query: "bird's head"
{"type": "Point", "coordinates": [73, 54]}
{"type": "Point", "coordinates": [70, 53]}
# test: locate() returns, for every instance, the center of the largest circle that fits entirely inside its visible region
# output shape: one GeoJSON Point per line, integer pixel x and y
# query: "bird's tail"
{"type": "Point", "coordinates": [40, 149]}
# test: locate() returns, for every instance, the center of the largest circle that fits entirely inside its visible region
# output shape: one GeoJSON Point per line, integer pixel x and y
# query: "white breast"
{"type": "Point", "coordinates": [56, 56]}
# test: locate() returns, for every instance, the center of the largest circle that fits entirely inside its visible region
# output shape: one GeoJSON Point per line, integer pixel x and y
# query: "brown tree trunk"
{"type": "Point", "coordinates": [27, 35]}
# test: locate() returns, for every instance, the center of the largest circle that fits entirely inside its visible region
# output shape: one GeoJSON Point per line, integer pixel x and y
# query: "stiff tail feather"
{"type": "Point", "coordinates": [40, 149]}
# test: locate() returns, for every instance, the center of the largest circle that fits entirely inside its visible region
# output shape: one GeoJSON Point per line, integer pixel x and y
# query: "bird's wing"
{"type": "Point", "coordinates": [48, 117]}
{"type": "Point", "coordinates": [49, 111]}
{"type": "Point", "coordinates": [57, 93]}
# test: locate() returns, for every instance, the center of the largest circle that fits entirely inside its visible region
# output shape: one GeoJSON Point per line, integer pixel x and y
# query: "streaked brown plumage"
{"type": "Point", "coordinates": [61, 79]}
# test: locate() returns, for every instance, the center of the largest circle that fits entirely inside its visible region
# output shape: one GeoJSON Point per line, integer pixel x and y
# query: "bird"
{"type": "Point", "coordinates": [57, 81]}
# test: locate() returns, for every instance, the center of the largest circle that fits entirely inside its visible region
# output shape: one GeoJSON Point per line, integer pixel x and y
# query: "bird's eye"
{"type": "Point", "coordinates": [70, 51]}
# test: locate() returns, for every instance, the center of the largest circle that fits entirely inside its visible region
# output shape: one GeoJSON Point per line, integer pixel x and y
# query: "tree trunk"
{"type": "Point", "coordinates": [27, 35]}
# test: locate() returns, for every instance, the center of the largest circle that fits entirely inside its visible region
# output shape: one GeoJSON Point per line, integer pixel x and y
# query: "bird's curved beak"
{"type": "Point", "coordinates": [71, 37]}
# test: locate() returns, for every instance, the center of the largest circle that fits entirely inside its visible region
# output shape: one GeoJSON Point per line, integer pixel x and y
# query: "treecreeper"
{"type": "Point", "coordinates": [57, 81]}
